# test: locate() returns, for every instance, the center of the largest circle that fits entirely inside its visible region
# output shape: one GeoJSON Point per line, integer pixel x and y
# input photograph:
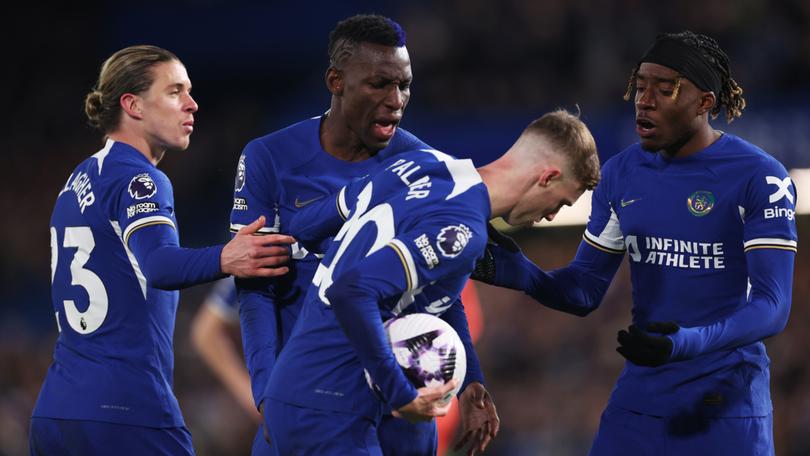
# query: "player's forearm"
{"type": "Point", "coordinates": [765, 313]}
{"type": "Point", "coordinates": [578, 288]}
{"type": "Point", "coordinates": [354, 299]}
{"type": "Point", "coordinates": [559, 290]}
{"type": "Point", "coordinates": [457, 318]}
{"type": "Point", "coordinates": [257, 318]}
{"type": "Point", "coordinates": [166, 265]}
{"type": "Point", "coordinates": [316, 222]}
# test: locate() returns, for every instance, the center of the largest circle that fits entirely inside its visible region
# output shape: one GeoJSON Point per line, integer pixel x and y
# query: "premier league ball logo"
{"type": "Point", "coordinates": [142, 186]}
{"type": "Point", "coordinates": [240, 174]}
{"type": "Point", "coordinates": [452, 240]}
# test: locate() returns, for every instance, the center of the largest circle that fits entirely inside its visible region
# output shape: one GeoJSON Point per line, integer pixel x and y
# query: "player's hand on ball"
{"type": "Point", "coordinates": [429, 403]}
{"type": "Point", "coordinates": [643, 348]}
{"type": "Point", "coordinates": [479, 419]}
{"type": "Point", "coordinates": [250, 256]}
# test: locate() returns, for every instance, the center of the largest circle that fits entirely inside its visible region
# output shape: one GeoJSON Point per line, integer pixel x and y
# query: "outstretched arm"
{"type": "Point", "coordinates": [576, 289]}
{"type": "Point", "coordinates": [168, 266]}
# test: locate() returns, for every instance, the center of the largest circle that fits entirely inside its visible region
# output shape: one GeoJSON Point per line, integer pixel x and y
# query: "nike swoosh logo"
{"type": "Point", "coordinates": [300, 204]}
{"type": "Point", "coordinates": [627, 203]}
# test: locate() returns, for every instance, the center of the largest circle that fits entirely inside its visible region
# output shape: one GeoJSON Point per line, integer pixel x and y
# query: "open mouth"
{"type": "Point", "coordinates": [644, 127]}
{"type": "Point", "coordinates": [384, 129]}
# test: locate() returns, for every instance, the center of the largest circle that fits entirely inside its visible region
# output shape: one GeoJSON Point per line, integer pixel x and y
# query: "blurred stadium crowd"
{"type": "Point", "coordinates": [481, 72]}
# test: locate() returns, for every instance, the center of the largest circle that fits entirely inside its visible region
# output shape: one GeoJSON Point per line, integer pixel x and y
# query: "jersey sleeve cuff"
{"type": "Point", "coordinates": [770, 243]}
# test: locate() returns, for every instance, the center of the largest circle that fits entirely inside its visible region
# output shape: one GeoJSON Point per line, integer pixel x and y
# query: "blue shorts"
{"type": "Point", "coordinates": [50, 436]}
{"type": "Point", "coordinates": [622, 432]}
{"type": "Point", "coordinates": [399, 437]}
{"type": "Point", "coordinates": [308, 432]}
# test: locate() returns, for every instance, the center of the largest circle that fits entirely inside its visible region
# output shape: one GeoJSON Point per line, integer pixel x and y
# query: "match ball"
{"type": "Point", "coordinates": [428, 350]}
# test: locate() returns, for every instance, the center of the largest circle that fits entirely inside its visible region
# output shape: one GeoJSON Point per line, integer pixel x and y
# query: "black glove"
{"type": "Point", "coordinates": [644, 349]}
{"type": "Point", "coordinates": [485, 268]}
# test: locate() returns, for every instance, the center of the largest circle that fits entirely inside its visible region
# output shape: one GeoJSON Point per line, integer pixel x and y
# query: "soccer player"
{"type": "Point", "coordinates": [412, 235]}
{"type": "Point", "coordinates": [369, 78]}
{"type": "Point", "coordinates": [707, 220]}
{"type": "Point", "coordinates": [115, 261]}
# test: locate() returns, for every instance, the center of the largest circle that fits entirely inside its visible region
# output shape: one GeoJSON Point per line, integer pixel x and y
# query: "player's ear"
{"type": "Point", "coordinates": [548, 175]}
{"type": "Point", "coordinates": [334, 81]}
{"type": "Point", "coordinates": [707, 102]}
{"type": "Point", "coordinates": [131, 105]}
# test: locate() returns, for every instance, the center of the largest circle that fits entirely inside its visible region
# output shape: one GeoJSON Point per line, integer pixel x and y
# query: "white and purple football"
{"type": "Point", "coordinates": [428, 350]}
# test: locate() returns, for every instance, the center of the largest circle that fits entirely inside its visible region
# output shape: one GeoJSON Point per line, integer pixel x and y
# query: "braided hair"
{"type": "Point", "coordinates": [730, 95]}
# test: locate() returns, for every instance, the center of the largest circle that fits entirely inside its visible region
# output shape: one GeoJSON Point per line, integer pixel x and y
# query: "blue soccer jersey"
{"type": "Point", "coordinates": [413, 234]}
{"type": "Point", "coordinates": [277, 176]}
{"type": "Point", "coordinates": [113, 359]}
{"type": "Point", "coordinates": [710, 239]}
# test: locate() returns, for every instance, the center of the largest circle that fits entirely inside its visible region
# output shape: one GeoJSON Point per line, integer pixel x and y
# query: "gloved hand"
{"type": "Point", "coordinates": [642, 348]}
{"type": "Point", "coordinates": [498, 246]}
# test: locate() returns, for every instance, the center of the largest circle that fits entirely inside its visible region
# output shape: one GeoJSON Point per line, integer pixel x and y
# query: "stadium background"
{"type": "Point", "coordinates": [482, 71]}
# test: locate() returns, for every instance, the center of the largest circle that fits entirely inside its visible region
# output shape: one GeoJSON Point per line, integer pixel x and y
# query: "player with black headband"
{"type": "Point", "coordinates": [707, 220]}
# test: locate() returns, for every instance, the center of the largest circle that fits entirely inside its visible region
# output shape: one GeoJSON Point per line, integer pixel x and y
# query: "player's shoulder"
{"type": "Point", "coordinates": [403, 142]}
{"type": "Point", "coordinates": [288, 147]}
{"type": "Point", "coordinates": [749, 158]}
{"type": "Point", "coordinates": [435, 181]}
{"type": "Point", "coordinates": [624, 161]}
{"type": "Point", "coordinates": [428, 162]}
{"type": "Point", "coordinates": [120, 162]}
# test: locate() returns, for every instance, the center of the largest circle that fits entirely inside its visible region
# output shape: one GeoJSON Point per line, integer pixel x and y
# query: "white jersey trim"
{"type": "Point", "coordinates": [136, 268]}
{"type": "Point", "coordinates": [102, 154]}
{"type": "Point", "coordinates": [235, 227]}
{"type": "Point", "coordinates": [144, 222]}
{"type": "Point", "coordinates": [343, 208]}
{"type": "Point", "coordinates": [462, 171]}
{"type": "Point", "coordinates": [611, 237]}
{"type": "Point", "coordinates": [774, 243]}
{"type": "Point", "coordinates": [407, 262]}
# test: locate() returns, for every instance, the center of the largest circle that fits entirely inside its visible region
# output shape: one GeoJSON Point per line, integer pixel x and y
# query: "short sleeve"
{"type": "Point", "coordinates": [256, 189]}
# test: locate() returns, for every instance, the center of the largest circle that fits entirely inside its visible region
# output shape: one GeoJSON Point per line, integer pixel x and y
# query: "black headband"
{"type": "Point", "coordinates": [686, 60]}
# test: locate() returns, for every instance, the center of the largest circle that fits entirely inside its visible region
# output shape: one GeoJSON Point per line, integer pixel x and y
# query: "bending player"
{"type": "Point", "coordinates": [369, 78]}
{"type": "Point", "coordinates": [413, 233]}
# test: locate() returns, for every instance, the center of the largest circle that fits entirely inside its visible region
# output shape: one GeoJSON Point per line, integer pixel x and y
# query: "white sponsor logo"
{"type": "Point", "coordinates": [783, 189]}
{"type": "Point", "coordinates": [141, 208]}
{"type": "Point", "coordinates": [776, 211]}
{"type": "Point", "coordinates": [240, 204]}
{"type": "Point", "coordinates": [676, 253]}
{"type": "Point", "coordinates": [423, 243]}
